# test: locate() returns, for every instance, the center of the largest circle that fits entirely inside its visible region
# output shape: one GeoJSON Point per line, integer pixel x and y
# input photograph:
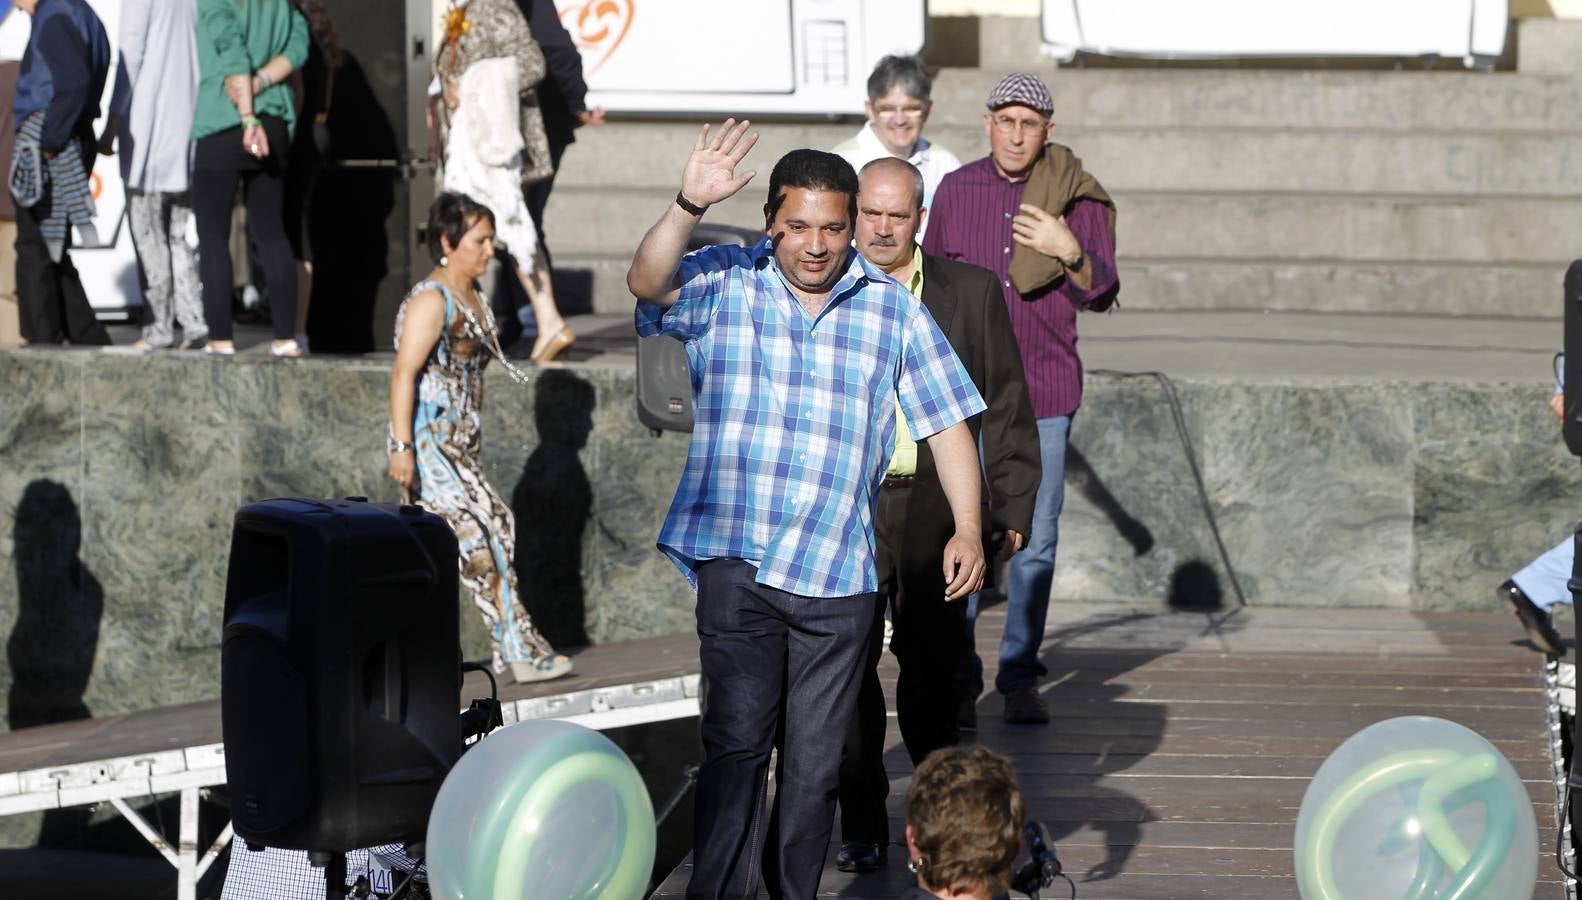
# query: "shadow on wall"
{"type": "Point", "coordinates": [553, 503]}
{"type": "Point", "coordinates": [347, 220]}
{"type": "Point", "coordinates": [52, 648]}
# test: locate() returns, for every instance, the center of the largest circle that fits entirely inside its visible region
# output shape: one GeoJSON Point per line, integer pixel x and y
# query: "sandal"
{"type": "Point", "coordinates": [554, 345]}
{"type": "Point", "coordinates": [287, 349]}
{"type": "Point", "coordinates": [543, 668]}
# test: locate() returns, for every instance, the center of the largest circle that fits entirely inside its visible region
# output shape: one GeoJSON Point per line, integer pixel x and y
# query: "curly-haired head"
{"type": "Point", "coordinates": [964, 818]}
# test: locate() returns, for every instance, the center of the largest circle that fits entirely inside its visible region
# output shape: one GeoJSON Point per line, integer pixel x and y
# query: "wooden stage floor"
{"type": "Point", "coordinates": [1182, 742]}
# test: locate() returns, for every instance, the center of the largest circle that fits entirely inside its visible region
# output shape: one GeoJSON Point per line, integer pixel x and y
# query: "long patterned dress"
{"type": "Point", "coordinates": [451, 483]}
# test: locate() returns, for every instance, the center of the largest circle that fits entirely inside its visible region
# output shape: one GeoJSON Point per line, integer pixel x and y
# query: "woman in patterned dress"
{"type": "Point", "coordinates": [444, 335]}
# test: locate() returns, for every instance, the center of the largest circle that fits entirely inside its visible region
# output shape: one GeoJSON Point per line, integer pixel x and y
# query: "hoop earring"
{"type": "Point", "coordinates": [444, 261]}
{"type": "Point", "coordinates": [915, 865]}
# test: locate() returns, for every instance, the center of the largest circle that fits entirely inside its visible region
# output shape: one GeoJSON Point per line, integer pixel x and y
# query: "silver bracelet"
{"type": "Point", "coordinates": [263, 76]}
{"type": "Point", "coordinates": [396, 446]}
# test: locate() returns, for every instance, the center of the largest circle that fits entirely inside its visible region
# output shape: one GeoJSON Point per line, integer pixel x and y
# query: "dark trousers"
{"type": "Point", "coordinates": [52, 304]}
{"type": "Point", "coordinates": [929, 642]}
{"type": "Point", "coordinates": [219, 163]}
{"type": "Point", "coordinates": [778, 668]}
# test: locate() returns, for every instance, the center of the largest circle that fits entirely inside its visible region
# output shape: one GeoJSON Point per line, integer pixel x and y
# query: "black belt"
{"type": "Point", "coordinates": [895, 481]}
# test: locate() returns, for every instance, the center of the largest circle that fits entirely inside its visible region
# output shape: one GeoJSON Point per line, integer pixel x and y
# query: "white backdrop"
{"type": "Point", "coordinates": [1473, 30]}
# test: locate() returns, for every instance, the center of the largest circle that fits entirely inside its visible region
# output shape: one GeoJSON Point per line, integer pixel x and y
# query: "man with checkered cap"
{"type": "Point", "coordinates": [1030, 213]}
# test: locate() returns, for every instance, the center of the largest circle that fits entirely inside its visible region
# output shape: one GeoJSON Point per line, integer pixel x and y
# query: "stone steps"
{"type": "Point", "coordinates": [1287, 226]}
{"type": "Point", "coordinates": [1530, 291]}
{"type": "Point", "coordinates": [1533, 164]}
{"type": "Point", "coordinates": [1386, 101]}
{"type": "Point", "coordinates": [1446, 192]}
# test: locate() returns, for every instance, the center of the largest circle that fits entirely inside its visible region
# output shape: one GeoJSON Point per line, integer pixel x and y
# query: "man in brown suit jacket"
{"type": "Point", "coordinates": [913, 520]}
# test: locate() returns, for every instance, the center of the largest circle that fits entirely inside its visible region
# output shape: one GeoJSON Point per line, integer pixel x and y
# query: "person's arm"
{"type": "Point", "coordinates": [420, 329]}
{"type": "Point", "coordinates": [1089, 223]}
{"type": "Point", "coordinates": [271, 73]}
{"type": "Point", "coordinates": [1008, 428]}
{"type": "Point", "coordinates": [937, 396]}
{"type": "Point", "coordinates": [1051, 235]}
{"type": "Point", "coordinates": [708, 178]}
{"type": "Point", "coordinates": [956, 460]}
{"type": "Point", "coordinates": [132, 37]}
{"type": "Point", "coordinates": [560, 55]}
{"type": "Point", "coordinates": [62, 50]}
{"type": "Point", "coordinates": [518, 38]}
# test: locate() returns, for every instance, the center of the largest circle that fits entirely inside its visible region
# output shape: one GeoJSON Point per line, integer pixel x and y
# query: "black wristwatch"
{"type": "Point", "coordinates": [690, 208]}
{"type": "Point", "coordinates": [1082, 260]}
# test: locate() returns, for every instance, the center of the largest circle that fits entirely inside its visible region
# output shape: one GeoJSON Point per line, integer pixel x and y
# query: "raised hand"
{"type": "Point", "coordinates": [710, 175]}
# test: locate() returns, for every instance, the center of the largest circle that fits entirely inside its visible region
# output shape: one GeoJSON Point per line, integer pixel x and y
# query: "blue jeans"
{"type": "Point", "coordinates": [1032, 571]}
{"type": "Point", "coordinates": [1544, 579]}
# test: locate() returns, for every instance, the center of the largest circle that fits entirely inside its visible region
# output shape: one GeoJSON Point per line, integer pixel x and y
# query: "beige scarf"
{"type": "Point", "coordinates": [1057, 179]}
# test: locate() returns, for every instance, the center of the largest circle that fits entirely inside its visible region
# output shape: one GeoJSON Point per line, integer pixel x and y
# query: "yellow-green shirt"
{"type": "Point", "coordinates": [904, 460]}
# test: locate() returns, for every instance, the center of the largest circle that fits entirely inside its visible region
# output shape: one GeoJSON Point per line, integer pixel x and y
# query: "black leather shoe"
{"type": "Point", "coordinates": [1540, 629]}
{"type": "Point", "coordinates": [859, 856]}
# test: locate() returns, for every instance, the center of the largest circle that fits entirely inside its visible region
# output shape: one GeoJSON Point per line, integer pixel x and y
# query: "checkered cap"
{"type": "Point", "coordinates": [1023, 89]}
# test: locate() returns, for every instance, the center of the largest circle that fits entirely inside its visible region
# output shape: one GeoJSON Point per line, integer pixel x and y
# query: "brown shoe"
{"type": "Point", "coordinates": [1540, 628]}
{"type": "Point", "coordinates": [1025, 707]}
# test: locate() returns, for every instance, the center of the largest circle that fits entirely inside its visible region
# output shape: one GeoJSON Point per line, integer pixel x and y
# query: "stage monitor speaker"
{"type": "Point", "coordinates": [1571, 380]}
{"type": "Point", "coordinates": [340, 672]}
{"type": "Point", "coordinates": [664, 380]}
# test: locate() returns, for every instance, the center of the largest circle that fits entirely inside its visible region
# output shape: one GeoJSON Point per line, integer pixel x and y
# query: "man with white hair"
{"type": "Point", "coordinates": [898, 106]}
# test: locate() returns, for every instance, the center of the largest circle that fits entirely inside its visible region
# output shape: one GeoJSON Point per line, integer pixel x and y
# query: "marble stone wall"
{"type": "Point", "coordinates": [120, 475]}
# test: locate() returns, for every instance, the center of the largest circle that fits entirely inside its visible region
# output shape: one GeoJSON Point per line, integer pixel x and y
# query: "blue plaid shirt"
{"type": "Point", "coordinates": [794, 420]}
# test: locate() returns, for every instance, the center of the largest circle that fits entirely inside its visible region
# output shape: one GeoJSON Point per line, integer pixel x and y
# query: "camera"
{"type": "Point", "coordinates": [1042, 866]}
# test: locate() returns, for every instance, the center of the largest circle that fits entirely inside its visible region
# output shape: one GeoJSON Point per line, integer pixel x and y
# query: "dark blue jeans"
{"type": "Point", "coordinates": [780, 670]}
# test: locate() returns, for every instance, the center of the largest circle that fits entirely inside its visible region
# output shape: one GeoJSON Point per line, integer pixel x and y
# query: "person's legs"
{"type": "Point", "coordinates": [864, 784]}
{"type": "Point", "coordinates": [1032, 571]}
{"type": "Point", "coordinates": [38, 293]}
{"type": "Point", "coordinates": [827, 644]}
{"type": "Point", "coordinates": [214, 177]}
{"type": "Point", "coordinates": [930, 646]}
{"type": "Point", "coordinates": [553, 335]}
{"type": "Point", "coordinates": [266, 212]}
{"type": "Point", "coordinates": [743, 654]}
{"type": "Point", "coordinates": [1544, 579]}
{"type": "Point", "coordinates": [150, 226]}
{"type": "Point", "coordinates": [82, 324]}
{"type": "Point", "coordinates": [10, 317]}
{"type": "Point", "coordinates": [186, 287]}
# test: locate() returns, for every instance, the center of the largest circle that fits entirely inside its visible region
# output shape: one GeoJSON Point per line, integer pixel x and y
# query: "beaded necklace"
{"type": "Point", "coordinates": [491, 337]}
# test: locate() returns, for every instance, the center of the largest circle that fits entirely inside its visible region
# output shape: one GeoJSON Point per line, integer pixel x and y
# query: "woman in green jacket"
{"type": "Point", "coordinates": [241, 131]}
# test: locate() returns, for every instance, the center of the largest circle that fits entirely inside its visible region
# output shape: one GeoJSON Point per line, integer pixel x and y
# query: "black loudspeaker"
{"type": "Point", "coordinates": [340, 672]}
{"type": "Point", "coordinates": [664, 381]}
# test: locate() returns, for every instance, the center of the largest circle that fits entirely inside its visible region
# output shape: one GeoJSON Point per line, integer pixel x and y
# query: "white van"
{"type": "Point", "coordinates": [711, 58]}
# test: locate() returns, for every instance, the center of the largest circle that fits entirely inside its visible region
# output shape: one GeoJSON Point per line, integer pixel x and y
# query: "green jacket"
{"type": "Point", "coordinates": [236, 37]}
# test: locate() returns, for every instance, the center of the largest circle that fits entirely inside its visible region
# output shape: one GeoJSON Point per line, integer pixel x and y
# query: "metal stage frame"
{"type": "Point", "coordinates": [56, 776]}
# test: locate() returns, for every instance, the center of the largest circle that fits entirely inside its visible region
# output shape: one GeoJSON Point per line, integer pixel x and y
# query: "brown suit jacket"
{"type": "Point", "coordinates": [965, 300]}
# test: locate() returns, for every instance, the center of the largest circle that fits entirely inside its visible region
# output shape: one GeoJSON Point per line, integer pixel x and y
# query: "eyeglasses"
{"type": "Point", "coordinates": [911, 110]}
{"type": "Point", "coordinates": [1008, 124]}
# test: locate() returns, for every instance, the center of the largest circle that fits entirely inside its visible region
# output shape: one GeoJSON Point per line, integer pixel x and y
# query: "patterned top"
{"type": "Point", "coordinates": [794, 419]}
{"type": "Point", "coordinates": [450, 387]}
{"type": "Point", "coordinates": [971, 222]}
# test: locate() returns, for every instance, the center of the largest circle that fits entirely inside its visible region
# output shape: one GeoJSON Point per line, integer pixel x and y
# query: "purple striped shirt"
{"type": "Point", "coordinates": [971, 221]}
